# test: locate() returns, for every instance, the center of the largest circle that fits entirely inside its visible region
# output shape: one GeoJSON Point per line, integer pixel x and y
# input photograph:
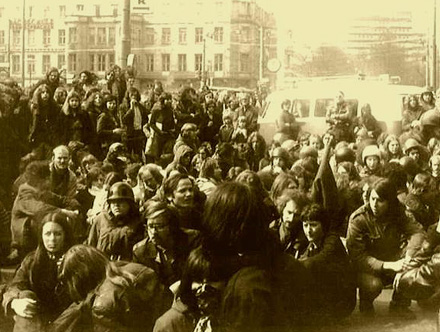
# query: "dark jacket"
{"type": "Point", "coordinates": [115, 307]}
{"type": "Point", "coordinates": [147, 253]}
{"type": "Point", "coordinates": [41, 282]}
{"type": "Point", "coordinates": [115, 237]}
{"type": "Point", "coordinates": [333, 277]}
{"type": "Point", "coordinates": [371, 242]}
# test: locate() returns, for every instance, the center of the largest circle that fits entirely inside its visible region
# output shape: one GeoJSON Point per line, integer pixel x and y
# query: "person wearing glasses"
{"type": "Point", "coordinates": [166, 245]}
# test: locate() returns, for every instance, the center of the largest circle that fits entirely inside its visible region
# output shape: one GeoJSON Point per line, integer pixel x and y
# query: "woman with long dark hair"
{"type": "Point", "coordinates": [108, 296]}
{"type": "Point", "coordinates": [34, 296]}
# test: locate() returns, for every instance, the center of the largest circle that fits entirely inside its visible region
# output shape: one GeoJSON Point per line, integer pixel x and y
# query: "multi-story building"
{"type": "Point", "coordinates": [228, 42]}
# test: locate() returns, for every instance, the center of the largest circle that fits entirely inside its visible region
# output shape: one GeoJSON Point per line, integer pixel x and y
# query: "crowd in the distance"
{"type": "Point", "coordinates": [130, 211]}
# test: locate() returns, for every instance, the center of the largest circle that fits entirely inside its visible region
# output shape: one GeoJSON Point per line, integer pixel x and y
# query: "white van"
{"type": "Point", "coordinates": [310, 103]}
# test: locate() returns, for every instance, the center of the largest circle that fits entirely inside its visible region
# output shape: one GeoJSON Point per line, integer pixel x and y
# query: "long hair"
{"type": "Point", "coordinates": [386, 190]}
{"type": "Point", "coordinates": [39, 269]}
{"type": "Point", "coordinates": [85, 267]}
{"type": "Point", "coordinates": [66, 107]}
{"type": "Point", "coordinates": [234, 220]}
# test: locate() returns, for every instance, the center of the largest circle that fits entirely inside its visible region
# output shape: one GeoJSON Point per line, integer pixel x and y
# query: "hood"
{"type": "Point", "coordinates": [181, 151]}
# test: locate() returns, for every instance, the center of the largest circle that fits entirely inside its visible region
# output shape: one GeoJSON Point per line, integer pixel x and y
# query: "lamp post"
{"type": "Point", "coordinates": [23, 50]}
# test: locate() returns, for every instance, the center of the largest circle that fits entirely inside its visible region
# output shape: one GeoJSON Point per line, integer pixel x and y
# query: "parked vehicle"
{"type": "Point", "coordinates": [310, 102]}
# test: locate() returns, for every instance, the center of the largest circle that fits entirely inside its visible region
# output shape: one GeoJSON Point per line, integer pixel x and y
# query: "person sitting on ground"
{"type": "Point", "coordinates": [115, 230]}
{"type": "Point", "coordinates": [166, 245]}
{"type": "Point", "coordinates": [34, 296]}
{"type": "Point", "coordinates": [108, 296]}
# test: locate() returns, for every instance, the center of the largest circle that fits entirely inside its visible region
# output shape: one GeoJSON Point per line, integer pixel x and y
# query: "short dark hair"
{"type": "Point", "coordinates": [315, 212]}
{"type": "Point", "coordinates": [170, 184]}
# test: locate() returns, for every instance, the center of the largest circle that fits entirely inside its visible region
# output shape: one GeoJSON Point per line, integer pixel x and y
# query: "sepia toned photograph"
{"type": "Point", "coordinates": [219, 166]}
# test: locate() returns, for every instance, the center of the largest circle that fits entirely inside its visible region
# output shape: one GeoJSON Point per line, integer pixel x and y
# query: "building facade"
{"type": "Point", "coordinates": [226, 42]}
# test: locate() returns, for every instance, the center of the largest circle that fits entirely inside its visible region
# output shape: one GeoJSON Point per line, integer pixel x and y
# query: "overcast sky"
{"type": "Point", "coordinates": [320, 21]}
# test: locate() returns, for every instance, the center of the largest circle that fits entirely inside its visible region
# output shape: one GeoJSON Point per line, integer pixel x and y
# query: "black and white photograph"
{"type": "Point", "coordinates": [219, 166]}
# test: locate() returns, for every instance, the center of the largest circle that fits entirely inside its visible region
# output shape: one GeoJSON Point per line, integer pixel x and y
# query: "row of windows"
{"type": "Point", "coordinates": [101, 61]}
{"type": "Point", "coordinates": [182, 62]}
{"type": "Point", "coordinates": [100, 36]}
{"type": "Point", "coordinates": [46, 63]}
{"type": "Point", "coordinates": [199, 35]}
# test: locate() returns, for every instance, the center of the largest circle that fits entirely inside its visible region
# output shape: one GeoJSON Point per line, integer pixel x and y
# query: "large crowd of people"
{"type": "Point", "coordinates": [157, 211]}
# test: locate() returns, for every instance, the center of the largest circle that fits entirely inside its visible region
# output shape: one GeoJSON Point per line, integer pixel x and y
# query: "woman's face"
{"type": "Point", "coordinates": [314, 143]}
{"type": "Point", "coordinates": [45, 95]}
{"type": "Point", "coordinates": [393, 146]}
{"type": "Point", "coordinates": [98, 100]}
{"type": "Point", "coordinates": [372, 162]}
{"type": "Point", "coordinates": [120, 207]}
{"type": "Point", "coordinates": [74, 102]}
{"type": "Point", "coordinates": [313, 231]}
{"type": "Point", "coordinates": [53, 237]}
{"type": "Point", "coordinates": [111, 105]}
{"type": "Point", "coordinates": [378, 205]}
{"type": "Point", "coordinates": [413, 102]}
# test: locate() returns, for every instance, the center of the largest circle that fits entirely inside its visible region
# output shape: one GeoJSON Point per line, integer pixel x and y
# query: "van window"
{"type": "Point", "coordinates": [322, 105]}
{"type": "Point", "coordinates": [301, 108]}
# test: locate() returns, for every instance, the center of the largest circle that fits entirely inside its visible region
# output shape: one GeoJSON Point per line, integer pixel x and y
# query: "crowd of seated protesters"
{"type": "Point", "coordinates": [160, 211]}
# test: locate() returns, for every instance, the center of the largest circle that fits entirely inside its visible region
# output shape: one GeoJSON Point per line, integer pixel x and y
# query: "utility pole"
{"type": "Point", "coordinates": [126, 38]}
{"type": "Point", "coordinates": [23, 50]}
{"type": "Point", "coordinates": [433, 58]}
{"type": "Point", "coordinates": [261, 67]}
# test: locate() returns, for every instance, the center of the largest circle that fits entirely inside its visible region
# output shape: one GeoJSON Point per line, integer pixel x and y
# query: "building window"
{"type": "Point", "coordinates": [149, 62]}
{"type": "Point", "coordinates": [245, 34]}
{"type": "Point", "coordinates": [31, 37]}
{"type": "Point", "coordinates": [149, 36]}
{"type": "Point", "coordinates": [181, 62]}
{"type": "Point", "coordinates": [72, 63]}
{"type": "Point", "coordinates": [2, 9]}
{"type": "Point", "coordinates": [165, 62]}
{"type": "Point", "coordinates": [115, 10]}
{"type": "Point", "coordinates": [111, 59]}
{"type": "Point", "coordinates": [61, 37]}
{"type": "Point", "coordinates": [46, 37]}
{"type": "Point", "coordinates": [31, 64]}
{"type": "Point", "coordinates": [244, 62]}
{"type": "Point", "coordinates": [61, 60]}
{"type": "Point", "coordinates": [111, 36]}
{"type": "Point", "coordinates": [46, 63]}
{"type": "Point", "coordinates": [182, 35]}
{"type": "Point", "coordinates": [16, 37]}
{"type": "Point", "coordinates": [92, 62]}
{"type": "Point", "coordinates": [92, 36]}
{"type": "Point", "coordinates": [72, 35]}
{"type": "Point", "coordinates": [79, 8]}
{"type": "Point", "coordinates": [15, 64]}
{"type": "Point", "coordinates": [97, 10]}
{"type": "Point", "coordinates": [31, 10]}
{"type": "Point", "coordinates": [101, 36]}
{"type": "Point", "coordinates": [218, 35]}
{"type": "Point", "coordinates": [198, 59]}
{"type": "Point", "coordinates": [101, 62]}
{"type": "Point", "coordinates": [2, 37]}
{"type": "Point", "coordinates": [46, 12]}
{"type": "Point", "coordinates": [166, 35]}
{"type": "Point", "coordinates": [199, 35]}
{"type": "Point", "coordinates": [62, 11]}
{"type": "Point", "coordinates": [218, 62]}
{"type": "Point", "coordinates": [2, 57]}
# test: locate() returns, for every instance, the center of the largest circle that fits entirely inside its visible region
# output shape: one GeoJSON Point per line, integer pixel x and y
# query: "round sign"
{"type": "Point", "coordinates": [273, 65]}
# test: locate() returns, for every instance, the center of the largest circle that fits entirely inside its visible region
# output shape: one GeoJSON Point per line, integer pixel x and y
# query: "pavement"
{"type": "Point", "coordinates": [382, 322]}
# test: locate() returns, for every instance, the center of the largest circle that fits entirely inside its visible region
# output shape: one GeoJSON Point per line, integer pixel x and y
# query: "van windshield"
{"type": "Point", "coordinates": [322, 105]}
